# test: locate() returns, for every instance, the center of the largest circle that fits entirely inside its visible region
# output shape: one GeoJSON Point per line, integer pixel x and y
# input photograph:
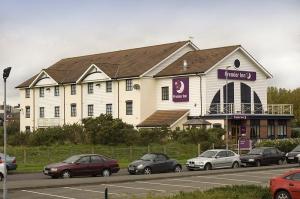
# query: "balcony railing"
{"type": "Point", "coordinates": [246, 108]}
{"type": "Point", "coordinates": [48, 122]}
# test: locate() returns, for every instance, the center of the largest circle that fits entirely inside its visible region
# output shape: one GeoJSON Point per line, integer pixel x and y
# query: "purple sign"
{"type": "Point", "coordinates": [181, 89]}
{"type": "Point", "coordinates": [236, 75]}
{"type": "Point", "coordinates": [244, 143]}
{"type": "Point", "coordinates": [239, 117]}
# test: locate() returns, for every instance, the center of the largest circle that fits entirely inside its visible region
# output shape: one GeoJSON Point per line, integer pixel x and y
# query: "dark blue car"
{"type": "Point", "coordinates": [11, 163]}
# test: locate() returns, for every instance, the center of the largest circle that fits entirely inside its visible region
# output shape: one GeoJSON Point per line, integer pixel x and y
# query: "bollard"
{"type": "Point", "coordinates": [106, 193]}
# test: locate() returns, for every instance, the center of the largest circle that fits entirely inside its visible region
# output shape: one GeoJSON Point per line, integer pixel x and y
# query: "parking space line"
{"type": "Point", "coordinates": [140, 188]}
{"type": "Point", "coordinates": [214, 183]}
{"type": "Point", "coordinates": [46, 194]}
{"type": "Point", "coordinates": [238, 180]}
{"type": "Point", "coordinates": [88, 190]}
{"type": "Point", "coordinates": [163, 184]}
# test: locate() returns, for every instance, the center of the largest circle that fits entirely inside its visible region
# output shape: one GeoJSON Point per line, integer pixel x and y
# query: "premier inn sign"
{"type": "Point", "coordinates": [236, 75]}
{"type": "Point", "coordinates": [180, 89]}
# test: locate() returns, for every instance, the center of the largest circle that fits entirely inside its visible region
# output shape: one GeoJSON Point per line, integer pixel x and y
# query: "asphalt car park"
{"type": "Point", "coordinates": [141, 188]}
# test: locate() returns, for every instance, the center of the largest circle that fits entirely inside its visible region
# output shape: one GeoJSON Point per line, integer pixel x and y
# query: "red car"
{"type": "Point", "coordinates": [286, 186]}
{"type": "Point", "coordinates": [79, 165]}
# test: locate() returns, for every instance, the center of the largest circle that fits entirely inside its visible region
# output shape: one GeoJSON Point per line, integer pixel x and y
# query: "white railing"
{"type": "Point", "coordinates": [247, 108]}
{"type": "Point", "coordinates": [48, 122]}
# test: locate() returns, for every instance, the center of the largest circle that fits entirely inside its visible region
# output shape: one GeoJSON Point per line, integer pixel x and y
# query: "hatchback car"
{"type": "Point", "coordinates": [213, 159]}
{"type": "Point", "coordinates": [263, 156]}
{"type": "Point", "coordinates": [286, 186]}
{"type": "Point", "coordinates": [154, 163]}
{"type": "Point", "coordinates": [11, 162]}
{"type": "Point", "coordinates": [79, 165]}
{"type": "Point", "coordinates": [294, 155]}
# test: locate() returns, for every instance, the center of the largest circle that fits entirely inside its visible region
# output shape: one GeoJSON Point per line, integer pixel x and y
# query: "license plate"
{"type": "Point", "coordinates": [290, 158]}
{"type": "Point", "coordinates": [46, 171]}
{"type": "Point", "coordinates": [131, 168]}
{"type": "Point", "coordinates": [192, 165]}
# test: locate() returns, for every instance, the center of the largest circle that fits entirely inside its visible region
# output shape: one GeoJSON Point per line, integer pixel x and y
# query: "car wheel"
{"type": "Point", "coordinates": [257, 163]}
{"type": "Point", "coordinates": [235, 165]}
{"type": "Point", "coordinates": [106, 173]}
{"type": "Point", "coordinates": [207, 166]}
{"type": "Point", "coordinates": [177, 169]}
{"type": "Point", "coordinates": [147, 171]}
{"type": "Point", "coordinates": [282, 195]}
{"type": "Point", "coordinates": [66, 174]}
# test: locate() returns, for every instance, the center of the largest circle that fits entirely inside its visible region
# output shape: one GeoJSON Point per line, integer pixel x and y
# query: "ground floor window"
{"type": "Point", "coordinates": [90, 110]}
{"type": "Point", "coordinates": [27, 128]}
{"type": "Point", "coordinates": [271, 129]}
{"type": "Point", "coordinates": [129, 107]}
{"type": "Point", "coordinates": [108, 109]}
{"type": "Point", "coordinates": [282, 129]}
{"type": "Point", "coordinates": [254, 129]}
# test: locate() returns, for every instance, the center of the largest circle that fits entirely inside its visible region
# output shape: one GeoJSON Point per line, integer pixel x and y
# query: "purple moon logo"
{"type": "Point", "coordinates": [181, 89]}
{"type": "Point", "coordinates": [179, 86]}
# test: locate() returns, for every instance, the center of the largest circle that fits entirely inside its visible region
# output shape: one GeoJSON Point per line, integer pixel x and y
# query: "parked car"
{"type": "Point", "coordinates": [154, 163]}
{"type": "Point", "coordinates": [11, 162]}
{"type": "Point", "coordinates": [294, 155]}
{"type": "Point", "coordinates": [213, 159]}
{"type": "Point", "coordinates": [2, 169]}
{"type": "Point", "coordinates": [263, 156]}
{"type": "Point", "coordinates": [286, 186]}
{"type": "Point", "coordinates": [85, 164]}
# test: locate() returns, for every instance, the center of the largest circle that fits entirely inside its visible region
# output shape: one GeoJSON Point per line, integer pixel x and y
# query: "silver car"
{"type": "Point", "coordinates": [213, 159]}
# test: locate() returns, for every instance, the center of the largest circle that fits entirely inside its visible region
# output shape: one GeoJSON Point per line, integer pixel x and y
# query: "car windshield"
{"type": "Point", "coordinates": [208, 154]}
{"type": "Point", "coordinates": [71, 159]}
{"type": "Point", "coordinates": [148, 157]}
{"type": "Point", "coordinates": [297, 149]}
{"type": "Point", "coordinates": [256, 152]}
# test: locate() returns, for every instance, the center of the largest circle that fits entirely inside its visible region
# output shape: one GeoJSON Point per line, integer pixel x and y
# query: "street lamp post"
{"type": "Point", "coordinates": [226, 106]}
{"type": "Point", "coordinates": [6, 72]}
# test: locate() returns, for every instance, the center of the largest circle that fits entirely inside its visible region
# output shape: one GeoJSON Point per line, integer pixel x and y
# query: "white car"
{"type": "Point", "coordinates": [213, 159]}
{"type": "Point", "coordinates": [2, 167]}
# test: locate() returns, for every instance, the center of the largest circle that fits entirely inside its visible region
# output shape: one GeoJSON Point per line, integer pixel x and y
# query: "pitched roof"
{"type": "Point", "coordinates": [162, 118]}
{"type": "Point", "coordinates": [118, 64]}
{"type": "Point", "coordinates": [198, 61]}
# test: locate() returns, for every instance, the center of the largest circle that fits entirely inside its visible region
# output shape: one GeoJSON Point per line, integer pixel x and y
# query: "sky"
{"type": "Point", "coordinates": [35, 34]}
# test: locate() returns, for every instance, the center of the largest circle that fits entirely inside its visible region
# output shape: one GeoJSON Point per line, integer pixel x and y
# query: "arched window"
{"type": "Point", "coordinates": [258, 108]}
{"type": "Point", "coordinates": [245, 99]}
{"type": "Point", "coordinates": [228, 102]}
{"type": "Point", "coordinates": [215, 104]}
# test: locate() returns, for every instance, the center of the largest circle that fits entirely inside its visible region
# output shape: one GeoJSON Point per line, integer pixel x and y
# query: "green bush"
{"type": "Point", "coordinates": [285, 145]}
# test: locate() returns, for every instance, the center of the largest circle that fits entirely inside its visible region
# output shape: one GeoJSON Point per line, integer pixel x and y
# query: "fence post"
{"type": "Point", "coordinates": [148, 148]}
{"type": "Point", "coordinates": [213, 146]}
{"type": "Point", "coordinates": [199, 149]}
{"type": "Point", "coordinates": [165, 150]}
{"type": "Point", "coordinates": [24, 156]}
{"type": "Point", "coordinates": [130, 152]}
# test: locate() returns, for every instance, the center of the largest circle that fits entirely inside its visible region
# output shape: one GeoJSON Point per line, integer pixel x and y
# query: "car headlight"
{"type": "Point", "coordinates": [287, 154]}
{"type": "Point", "coordinates": [298, 156]}
{"type": "Point", "coordinates": [140, 166]}
{"type": "Point", "coordinates": [53, 169]}
{"type": "Point", "coordinates": [251, 160]}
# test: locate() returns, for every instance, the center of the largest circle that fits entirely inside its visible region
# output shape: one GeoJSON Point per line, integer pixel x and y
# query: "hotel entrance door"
{"type": "Point", "coordinates": [235, 130]}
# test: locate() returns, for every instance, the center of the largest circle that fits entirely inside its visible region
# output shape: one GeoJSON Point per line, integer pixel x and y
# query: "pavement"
{"type": "Point", "coordinates": [126, 186]}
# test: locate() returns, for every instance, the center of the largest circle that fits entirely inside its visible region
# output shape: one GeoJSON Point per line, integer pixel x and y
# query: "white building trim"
{"type": "Point", "coordinates": [38, 78]}
{"type": "Point", "coordinates": [86, 73]}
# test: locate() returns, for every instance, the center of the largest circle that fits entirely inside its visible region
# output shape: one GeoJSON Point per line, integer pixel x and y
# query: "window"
{"type": "Point", "coordinates": [108, 86]}
{"type": "Point", "coordinates": [90, 110]}
{"type": "Point", "coordinates": [129, 107]}
{"type": "Point", "coordinates": [73, 89]}
{"type": "Point", "coordinates": [271, 129]}
{"type": "Point", "coordinates": [282, 129]}
{"type": "Point", "coordinates": [222, 154]}
{"type": "Point", "coordinates": [254, 129]}
{"type": "Point", "coordinates": [90, 88]}
{"type": "Point", "coordinates": [96, 159]}
{"type": "Point", "coordinates": [230, 154]}
{"type": "Point", "coordinates": [84, 160]}
{"type": "Point", "coordinates": [108, 109]}
{"type": "Point", "coordinates": [42, 92]}
{"type": "Point", "coordinates": [42, 112]}
{"type": "Point", "coordinates": [295, 177]}
{"type": "Point", "coordinates": [73, 110]}
{"type": "Point", "coordinates": [56, 91]}
{"type": "Point", "coordinates": [27, 93]}
{"type": "Point", "coordinates": [165, 93]}
{"type": "Point", "coordinates": [56, 111]}
{"type": "Point", "coordinates": [161, 157]}
{"type": "Point", "coordinates": [27, 114]}
{"type": "Point", "coordinates": [27, 128]}
{"type": "Point", "coordinates": [128, 84]}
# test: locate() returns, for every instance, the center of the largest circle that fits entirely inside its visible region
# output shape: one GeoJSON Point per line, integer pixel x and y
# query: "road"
{"type": "Point", "coordinates": [141, 188]}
